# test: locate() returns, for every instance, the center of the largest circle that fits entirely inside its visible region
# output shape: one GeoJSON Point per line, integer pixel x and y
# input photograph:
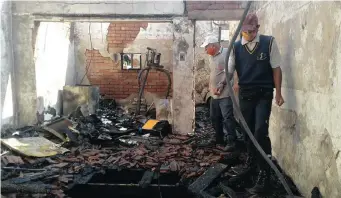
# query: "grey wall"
{"type": "Point", "coordinates": [6, 57]}
{"type": "Point", "coordinates": [305, 131]}
{"type": "Point", "coordinates": [183, 76]}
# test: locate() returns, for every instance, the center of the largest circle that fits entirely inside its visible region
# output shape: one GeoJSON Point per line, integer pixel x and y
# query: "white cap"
{"type": "Point", "coordinates": [210, 39]}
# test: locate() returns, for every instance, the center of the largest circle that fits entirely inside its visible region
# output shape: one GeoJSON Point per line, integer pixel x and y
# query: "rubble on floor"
{"type": "Point", "coordinates": [113, 140]}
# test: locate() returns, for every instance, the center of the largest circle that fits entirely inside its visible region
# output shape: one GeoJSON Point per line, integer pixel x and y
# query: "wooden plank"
{"type": "Point", "coordinates": [206, 179]}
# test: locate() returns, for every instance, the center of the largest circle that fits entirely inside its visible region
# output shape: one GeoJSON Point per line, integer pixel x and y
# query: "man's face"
{"type": "Point", "coordinates": [211, 49]}
{"type": "Point", "coordinates": [250, 34]}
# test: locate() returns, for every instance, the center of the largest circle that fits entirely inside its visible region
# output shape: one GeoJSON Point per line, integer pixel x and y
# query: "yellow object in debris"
{"type": "Point", "coordinates": [149, 125]}
{"type": "Point", "coordinates": [34, 146]}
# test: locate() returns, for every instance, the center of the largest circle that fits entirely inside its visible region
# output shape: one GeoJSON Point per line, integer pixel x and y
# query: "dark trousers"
{"type": "Point", "coordinates": [221, 112]}
{"type": "Point", "coordinates": [255, 105]}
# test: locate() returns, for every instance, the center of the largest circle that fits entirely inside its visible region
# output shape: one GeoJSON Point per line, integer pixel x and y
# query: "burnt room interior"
{"type": "Point", "coordinates": [112, 99]}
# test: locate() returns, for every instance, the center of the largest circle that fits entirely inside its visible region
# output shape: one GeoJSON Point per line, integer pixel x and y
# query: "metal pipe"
{"type": "Point", "coordinates": [238, 112]}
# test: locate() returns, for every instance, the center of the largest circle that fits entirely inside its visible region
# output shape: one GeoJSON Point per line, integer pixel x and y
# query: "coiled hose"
{"type": "Point", "coordinates": [238, 112]}
{"type": "Point", "coordinates": [141, 88]}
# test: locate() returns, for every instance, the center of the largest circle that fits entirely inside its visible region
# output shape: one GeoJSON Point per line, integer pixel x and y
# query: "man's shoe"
{"type": "Point", "coordinates": [262, 183]}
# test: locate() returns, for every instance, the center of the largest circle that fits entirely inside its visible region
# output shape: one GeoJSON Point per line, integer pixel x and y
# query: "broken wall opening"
{"type": "Point", "coordinates": [89, 53]}
{"type": "Point", "coordinates": [160, 32]}
{"type": "Point", "coordinates": [54, 63]}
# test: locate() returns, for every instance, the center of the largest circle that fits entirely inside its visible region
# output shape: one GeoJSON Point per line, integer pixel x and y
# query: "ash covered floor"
{"type": "Point", "coordinates": [110, 156]}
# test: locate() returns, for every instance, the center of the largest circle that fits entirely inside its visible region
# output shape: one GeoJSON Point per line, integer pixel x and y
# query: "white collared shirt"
{"type": "Point", "coordinates": [275, 56]}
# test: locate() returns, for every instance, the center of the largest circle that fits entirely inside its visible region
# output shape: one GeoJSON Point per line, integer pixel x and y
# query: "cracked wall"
{"type": "Point", "coordinates": [183, 74]}
{"type": "Point", "coordinates": [305, 131]}
{"type": "Point", "coordinates": [99, 43]}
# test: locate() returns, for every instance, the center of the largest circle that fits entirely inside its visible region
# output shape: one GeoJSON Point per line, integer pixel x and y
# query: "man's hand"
{"type": "Point", "coordinates": [279, 99]}
{"type": "Point", "coordinates": [235, 87]}
{"type": "Point", "coordinates": [216, 91]}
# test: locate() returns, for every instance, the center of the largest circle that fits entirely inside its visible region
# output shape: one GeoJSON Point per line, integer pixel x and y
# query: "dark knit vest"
{"type": "Point", "coordinates": [253, 66]}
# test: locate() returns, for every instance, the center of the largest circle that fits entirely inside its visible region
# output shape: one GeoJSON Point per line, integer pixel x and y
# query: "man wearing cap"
{"type": "Point", "coordinates": [256, 59]}
{"type": "Point", "coordinates": [221, 107]}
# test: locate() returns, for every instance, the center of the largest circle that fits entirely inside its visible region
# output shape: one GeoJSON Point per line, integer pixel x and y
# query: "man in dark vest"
{"type": "Point", "coordinates": [256, 59]}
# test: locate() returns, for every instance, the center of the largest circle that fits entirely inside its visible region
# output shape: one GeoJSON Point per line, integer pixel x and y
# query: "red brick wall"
{"type": "Point", "coordinates": [122, 33]}
{"type": "Point", "coordinates": [107, 74]}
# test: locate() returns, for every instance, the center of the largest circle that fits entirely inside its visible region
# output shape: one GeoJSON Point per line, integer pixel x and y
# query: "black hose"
{"type": "Point", "coordinates": [140, 75]}
{"type": "Point", "coordinates": [141, 88]}
{"type": "Point", "coordinates": [169, 80]}
{"type": "Point", "coordinates": [238, 112]}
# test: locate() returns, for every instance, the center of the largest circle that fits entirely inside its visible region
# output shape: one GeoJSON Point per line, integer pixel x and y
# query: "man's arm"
{"type": "Point", "coordinates": [231, 68]}
{"type": "Point", "coordinates": [235, 78]}
{"type": "Point", "coordinates": [275, 61]}
{"type": "Point", "coordinates": [277, 74]}
{"type": "Point", "coordinates": [235, 82]}
{"type": "Point", "coordinates": [212, 83]}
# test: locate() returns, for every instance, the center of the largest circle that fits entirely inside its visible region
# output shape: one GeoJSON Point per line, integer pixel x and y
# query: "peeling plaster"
{"type": "Point", "coordinates": [305, 130]}
{"type": "Point", "coordinates": [87, 36]}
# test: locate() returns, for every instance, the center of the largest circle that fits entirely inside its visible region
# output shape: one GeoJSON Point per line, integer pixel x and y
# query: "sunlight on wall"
{"type": "Point", "coordinates": [7, 109]}
{"type": "Point", "coordinates": [51, 60]}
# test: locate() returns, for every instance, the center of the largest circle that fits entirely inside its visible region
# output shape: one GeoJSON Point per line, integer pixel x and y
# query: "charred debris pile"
{"type": "Point", "coordinates": [113, 154]}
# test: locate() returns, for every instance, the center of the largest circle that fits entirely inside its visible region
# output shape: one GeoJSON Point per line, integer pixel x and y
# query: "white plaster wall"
{"type": "Point", "coordinates": [6, 64]}
{"type": "Point", "coordinates": [183, 105]}
{"type": "Point", "coordinates": [158, 36]}
{"type": "Point", "coordinates": [89, 36]}
{"type": "Point", "coordinates": [305, 131]}
{"type": "Point", "coordinates": [71, 68]}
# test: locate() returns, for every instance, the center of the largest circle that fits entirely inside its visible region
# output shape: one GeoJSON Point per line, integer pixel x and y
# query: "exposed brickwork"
{"type": "Point", "coordinates": [122, 33]}
{"type": "Point", "coordinates": [117, 83]}
{"type": "Point", "coordinates": [213, 5]}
